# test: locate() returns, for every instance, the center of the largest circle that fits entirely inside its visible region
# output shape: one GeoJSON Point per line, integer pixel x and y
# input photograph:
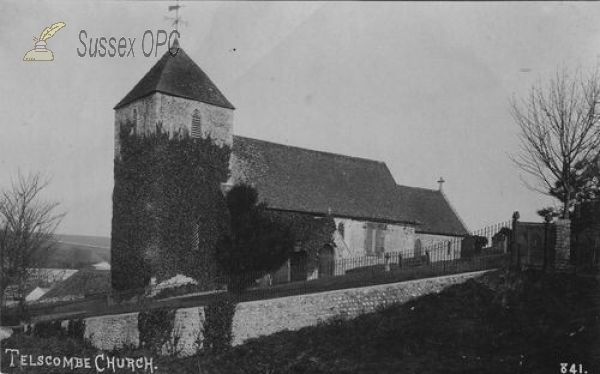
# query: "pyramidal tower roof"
{"type": "Point", "coordinates": [177, 76]}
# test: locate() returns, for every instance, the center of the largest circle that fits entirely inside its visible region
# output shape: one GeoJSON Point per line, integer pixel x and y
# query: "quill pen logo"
{"type": "Point", "coordinates": [40, 52]}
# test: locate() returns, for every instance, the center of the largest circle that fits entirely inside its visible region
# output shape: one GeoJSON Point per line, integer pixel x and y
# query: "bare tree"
{"type": "Point", "coordinates": [560, 132]}
{"type": "Point", "coordinates": [27, 224]}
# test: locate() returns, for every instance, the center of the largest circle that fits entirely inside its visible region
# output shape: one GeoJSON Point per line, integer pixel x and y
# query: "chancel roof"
{"type": "Point", "coordinates": [301, 180]}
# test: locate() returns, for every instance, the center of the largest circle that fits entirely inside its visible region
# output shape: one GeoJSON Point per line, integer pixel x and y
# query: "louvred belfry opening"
{"type": "Point", "coordinates": [196, 124]}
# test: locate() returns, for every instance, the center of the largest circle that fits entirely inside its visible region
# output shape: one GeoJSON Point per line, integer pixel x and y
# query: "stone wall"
{"type": "Point", "coordinates": [176, 113]}
{"type": "Point", "coordinates": [187, 329]}
{"type": "Point", "coordinates": [146, 119]}
{"type": "Point", "coordinates": [257, 318]}
{"type": "Point", "coordinates": [113, 332]}
{"type": "Point", "coordinates": [264, 317]}
{"type": "Point", "coordinates": [121, 330]}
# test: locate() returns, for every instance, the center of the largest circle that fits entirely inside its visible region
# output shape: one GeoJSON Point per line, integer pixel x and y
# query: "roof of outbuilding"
{"type": "Point", "coordinates": [432, 210]}
{"type": "Point", "coordinates": [302, 180]}
{"type": "Point", "coordinates": [85, 281]}
{"type": "Point", "coordinates": [179, 76]}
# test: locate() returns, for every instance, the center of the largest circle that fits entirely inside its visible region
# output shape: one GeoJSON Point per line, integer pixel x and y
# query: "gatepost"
{"type": "Point", "coordinates": [513, 249]}
{"type": "Point", "coordinates": [562, 244]}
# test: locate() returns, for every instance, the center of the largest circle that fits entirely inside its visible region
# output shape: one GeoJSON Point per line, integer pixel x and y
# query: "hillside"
{"type": "Point", "coordinates": [75, 252]}
{"type": "Point", "coordinates": [91, 241]}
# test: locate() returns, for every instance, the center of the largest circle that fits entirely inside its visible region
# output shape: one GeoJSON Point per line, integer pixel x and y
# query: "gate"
{"type": "Point", "coordinates": [531, 240]}
{"type": "Point", "coordinates": [326, 262]}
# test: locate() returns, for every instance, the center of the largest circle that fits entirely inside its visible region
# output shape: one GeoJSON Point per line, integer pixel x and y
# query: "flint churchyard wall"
{"type": "Point", "coordinates": [256, 318]}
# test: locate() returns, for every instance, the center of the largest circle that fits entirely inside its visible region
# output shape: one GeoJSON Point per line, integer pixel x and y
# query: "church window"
{"type": "Point", "coordinates": [196, 124]}
{"type": "Point", "coordinates": [375, 238]}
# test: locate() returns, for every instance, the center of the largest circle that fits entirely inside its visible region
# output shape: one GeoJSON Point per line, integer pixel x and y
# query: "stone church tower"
{"type": "Point", "coordinates": [152, 231]}
{"type": "Point", "coordinates": [178, 94]}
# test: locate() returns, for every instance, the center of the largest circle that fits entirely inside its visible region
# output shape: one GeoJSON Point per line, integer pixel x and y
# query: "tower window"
{"type": "Point", "coordinates": [135, 117]}
{"type": "Point", "coordinates": [196, 124]}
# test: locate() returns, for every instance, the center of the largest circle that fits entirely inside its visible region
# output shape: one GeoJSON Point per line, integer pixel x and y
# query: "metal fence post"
{"type": "Point", "coordinates": [444, 261]}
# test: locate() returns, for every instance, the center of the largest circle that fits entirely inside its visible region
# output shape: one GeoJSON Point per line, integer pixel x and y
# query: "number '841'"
{"type": "Point", "coordinates": [572, 368]}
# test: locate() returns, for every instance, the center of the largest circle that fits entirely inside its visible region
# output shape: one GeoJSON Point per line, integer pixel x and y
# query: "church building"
{"type": "Point", "coordinates": [373, 214]}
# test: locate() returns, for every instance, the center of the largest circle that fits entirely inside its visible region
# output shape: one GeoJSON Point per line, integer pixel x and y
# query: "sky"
{"type": "Point", "coordinates": [423, 87]}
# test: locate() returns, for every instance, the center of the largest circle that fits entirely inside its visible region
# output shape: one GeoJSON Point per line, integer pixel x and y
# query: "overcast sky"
{"type": "Point", "coordinates": [424, 87]}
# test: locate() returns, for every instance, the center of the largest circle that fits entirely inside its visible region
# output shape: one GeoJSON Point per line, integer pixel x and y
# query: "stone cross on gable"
{"type": "Point", "coordinates": [441, 183]}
